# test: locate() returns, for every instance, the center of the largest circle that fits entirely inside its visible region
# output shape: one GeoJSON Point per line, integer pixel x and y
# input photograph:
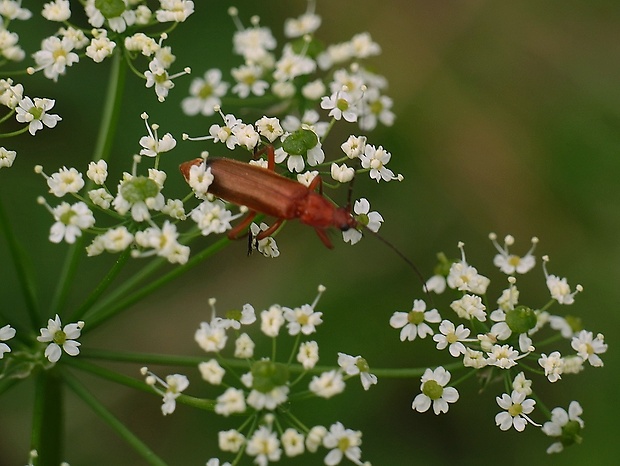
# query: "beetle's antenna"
{"type": "Point", "coordinates": [409, 262]}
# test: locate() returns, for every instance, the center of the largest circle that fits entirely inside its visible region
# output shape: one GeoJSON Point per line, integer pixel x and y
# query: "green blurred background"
{"type": "Point", "coordinates": [508, 117]}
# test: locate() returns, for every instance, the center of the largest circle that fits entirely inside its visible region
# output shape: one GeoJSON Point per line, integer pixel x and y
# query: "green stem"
{"type": "Point", "coordinates": [21, 262]}
{"type": "Point", "coordinates": [103, 314]}
{"type": "Point", "coordinates": [102, 286]}
{"type": "Point", "coordinates": [103, 147]}
{"type": "Point", "coordinates": [48, 419]}
{"type": "Point", "coordinates": [140, 447]}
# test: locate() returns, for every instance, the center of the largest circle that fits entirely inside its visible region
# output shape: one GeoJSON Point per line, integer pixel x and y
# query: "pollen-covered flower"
{"type": "Point", "coordinates": [60, 338]}
{"type": "Point", "coordinates": [435, 392]}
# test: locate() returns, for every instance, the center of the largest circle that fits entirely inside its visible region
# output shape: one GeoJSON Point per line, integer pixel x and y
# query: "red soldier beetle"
{"type": "Point", "coordinates": [264, 191]}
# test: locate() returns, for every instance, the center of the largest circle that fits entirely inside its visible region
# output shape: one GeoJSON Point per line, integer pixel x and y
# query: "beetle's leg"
{"type": "Point", "coordinates": [324, 238]}
{"type": "Point", "coordinates": [271, 156]}
{"type": "Point", "coordinates": [317, 181]}
{"type": "Point", "coordinates": [271, 230]}
{"type": "Point", "coordinates": [235, 232]}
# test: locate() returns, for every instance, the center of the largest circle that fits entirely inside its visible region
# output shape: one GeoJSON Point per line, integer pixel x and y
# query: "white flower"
{"type": "Point", "coordinates": [230, 440]}
{"type": "Point", "coordinates": [293, 442]}
{"type": "Point", "coordinates": [268, 400]}
{"type": "Point", "coordinates": [308, 354]}
{"type": "Point", "coordinates": [356, 365]}
{"type": "Point", "coordinates": [210, 338]}
{"type": "Point", "coordinates": [474, 359]}
{"type": "Point", "coordinates": [435, 392]}
{"type": "Point", "coordinates": [254, 44]}
{"type": "Point", "coordinates": [97, 172]}
{"type": "Point", "coordinates": [100, 47]}
{"type": "Point", "coordinates": [244, 346]}
{"type": "Point", "coordinates": [290, 65]}
{"type": "Point", "coordinates": [117, 24]}
{"type": "Point", "coordinates": [225, 133]}
{"type": "Point", "coordinates": [264, 445]}
{"type": "Point", "coordinates": [342, 443]}
{"type": "Point", "coordinates": [464, 277]}
{"type": "Point", "coordinates": [521, 384]}
{"type": "Point", "coordinates": [588, 347]}
{"type": "Point", "coordinates": [70, 221]}
{"type": "Point", "coordinates": [7, 157]}
{"type": "Point", "coordinates": [269, 128]}
{"type": "Point", "coordinates": [200, 178]}
{"type": "Point", "coordinates": [313, 90]}
{"type": "Point", "coordinates": [248, 81]}
{"type": "Point", "coordinates": [55, 56]}
{"type": "Point", "coordinates": [304, 24]}
{"type": "Point", "coordinates": [35, 113]}
{"type": "Point", "coordinates": [164, 242]}
{"type": "Point", "coordinates": [511, 263]}
{"type": "Point", "coordinates": [212, 217]}
{"type": "Point", "coordinates": [565, 426]}
{"type": "Point", "coordinates": [376, 159]}
{"type": "Point", "coordinates": [6, 333]}
{"type": "Point", "coordinates": [10, 95]}
{"type": "Point", "coordinates": [57, 10]}
{"type": "Point", "coordinates": [414, 323]}
{"type": "Point", "coordinates": [469, 307]}
{"type": "Point", "coordinates": [205, 94]}
{"type": "Point", "coordinates": [363, 46]}
{"type": "Point", "coordinates": [266, 246]}
{"type": "Point", "coordinates": [174, 384]}
{"type": "Point", "coordinates": [553, 365]}
{"type": "Point", "coordinates": [516, 411]}
{"type": "Point", "coordinates": [314, 438]}
{"type": "Point", "coordinates": [12, 9]}
{"type": "Point", "coordinates": [65, 181]}
{"type": "Point", "coordinates": [503, 356]}
{"type": "Point", "coordinates": [230, 402]}
{"type": "Point", "coordinates": [558, 287]}
{"type": "Point", "coordinates": [246, 135]}
{"type": "Point", "coordinates": [342, 173]}
{"type": "Point", "coordinates": [327, 384]}
{"type": "Point", "coordinates": [60, 338]}
{"type": "Point", "coordinates": [142, 43]}
{"type": "Point", "coordinates": [302, 319]}
{"type": "Point", "coordinates": [212, 372]}
{"type": "Point", "coordinates": [174, 10]}
{"type": "Point", "coordinates": [451, 336]}
{"type": "Point", "coordinates": [364, 218]}
{"type": "Point", "coordinates": [272, 320]}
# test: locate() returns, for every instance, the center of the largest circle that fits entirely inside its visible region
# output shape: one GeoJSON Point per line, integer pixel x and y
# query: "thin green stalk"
{"type": "Point", "coordinates": [104, 314]}
{"type": "Point", "coordinates": [48, 419]}
{"type": "Point", "coordinates": [140, 447]}
{"type": "Point", "coordinates": [25, 274]}
{"type": "Point", "coordinates": [102, 286]}
{"type": "Point", "coordinates": [103, 147]}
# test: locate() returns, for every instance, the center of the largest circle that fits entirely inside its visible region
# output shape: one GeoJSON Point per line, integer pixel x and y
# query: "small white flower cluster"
{"type": "Point", "coordinates": [503, 343]}
{"type": "Point", "coordinates": [265, 392]}
{"type": "Point", "coordinates": [136, 206]}
{"type": "Point", "coordinates": [61, 50]}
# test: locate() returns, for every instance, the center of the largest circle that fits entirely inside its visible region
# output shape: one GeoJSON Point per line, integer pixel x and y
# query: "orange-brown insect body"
{"type": "Point", "coordinates": [263, 190]}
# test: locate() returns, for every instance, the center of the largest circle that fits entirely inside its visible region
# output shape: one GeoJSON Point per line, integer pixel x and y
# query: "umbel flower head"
{"type": "Point", "coordinates": [509, 347]}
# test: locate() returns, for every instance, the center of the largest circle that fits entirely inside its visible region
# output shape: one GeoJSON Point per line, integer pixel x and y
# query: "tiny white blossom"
{"type": "Point", "coordinates": [264, 445]}
{"type": "Point", "coordinates": [249, 81]}
{"type": "Point", "coordinates": [502, 356]}
{"type": "Point", "coordinates": [356, 365]}
{"type": "Point", "coordinates": [375, 159]}
{"type": "Point", "coordinates": [174, 10]}
{"type": "Point", "coordinates": [271, 320]}
{"type": "Point", "coordinates": [57, 10]}
{"type": "Point", "coordinates": [97, 171]}
{"type": "Point", "coordinates": [342, 173]}
{"type": "Point", "coordinates": [293, 442]}
{"type": "Point", "coordinates": [517, 408]}
{"type": "Point", "coordinates": [7, 157]}
{"type": "Point", "coordinates": [553, 365]}
{"type": "Point", "coordinates": [435, 392]}
{"type": "Point", "coordinates": [70, 221]}
{"type": "Point", "coordinates": [511, 263]}
{"type": "Point", "coordinates": [589, 348]}
{"type": "Point", "coordinates": [230, 402]}
{"type": "Point", "coordinates": [174, 384]}
{"type": "Point", "coordinates": [212, 217]}
{"type": "Point", "coordinates": [327, 384]}
{"type": "Point", "coordinates": [60, 338]}
{"type": "Point", "coordinates": [35, 114]}
{"type": "Point", "coordinates": [415, 322]}
{"type": "Point", "coordinates": [205, 94]}
{"type": "Point", "coordinates": [269, 128]}
{"type": "Point", "coordinates": [244, 346]}
{"type": "Point", "coordinates": [6, 333]}
{"type": "Point", "coordinates": [302, 319]}
{"type": "Point", "coordinates": [55, 56]}
{"type": "Point", "coordinates": [558, 287]}
{"type": "Point", "coordinates": [342, 443]}
{"type": "Point", "coordinates": [308, 354]}
{"type": "Point", "coordinates": [100, 47]}
{"type": "Point", "coordinates": [452, 336]}
{"type": "Point", "coordinates": [469, 307]}
{"type": "Point", "coordinates": [230, 440]}
{"type": "Point", "coordinates": [564, 426]}
{"type": "Point", "coordinates": [364, 218]}
{"type": "Point", "coordinates": [211, 371]}
{"type": "Point", "coordinates": [210, 338]}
